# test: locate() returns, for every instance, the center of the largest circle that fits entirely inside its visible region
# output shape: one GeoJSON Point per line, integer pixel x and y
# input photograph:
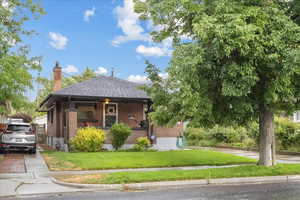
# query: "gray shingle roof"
{"type": "Point", "coordinates": [104, 86]}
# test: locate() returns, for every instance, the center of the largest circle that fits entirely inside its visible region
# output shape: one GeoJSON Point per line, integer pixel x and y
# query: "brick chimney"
{"type": "Point", "coordinates": [57, 77]}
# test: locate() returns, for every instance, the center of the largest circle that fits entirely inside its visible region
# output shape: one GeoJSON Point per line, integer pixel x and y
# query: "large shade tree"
{"type": "Point", "coordinates": [16, 66]}
{"type": "Point", "coordinates": [234, 61]}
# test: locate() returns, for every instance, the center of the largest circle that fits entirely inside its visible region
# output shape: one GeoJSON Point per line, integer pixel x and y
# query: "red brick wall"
{"type": "Point", "coordinates": [168, 132]}
{"type": "Point", "coordinates": [72, 123]}
{"type": "Point", "coordinates": [99, 114]}
{"type": "Point", "coordinates": [131, 109]}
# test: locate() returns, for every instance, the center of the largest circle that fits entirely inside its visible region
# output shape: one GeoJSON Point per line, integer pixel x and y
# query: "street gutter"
{"type": "Point", "coordinates": [183, 183]}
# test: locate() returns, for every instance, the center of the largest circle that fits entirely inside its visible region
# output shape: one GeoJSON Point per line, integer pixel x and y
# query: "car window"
{"type": "Point", "coordinates": [18, 128]}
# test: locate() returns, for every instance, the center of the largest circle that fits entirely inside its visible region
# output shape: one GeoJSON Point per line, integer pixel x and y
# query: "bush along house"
{"type": "Point", "coordinates": [101, 102]}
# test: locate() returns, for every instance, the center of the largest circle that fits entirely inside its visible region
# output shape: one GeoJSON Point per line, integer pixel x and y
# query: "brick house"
{"type": "Point", "coordinates": [101, 102]}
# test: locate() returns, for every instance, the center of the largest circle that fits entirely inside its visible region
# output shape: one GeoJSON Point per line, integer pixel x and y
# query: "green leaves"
{"type": "Point", "coordinates": [15, 65]}
{"type": "Point", "coordinates": [243, 54]}
{"type": "Point", "coordinates": [238, 80]}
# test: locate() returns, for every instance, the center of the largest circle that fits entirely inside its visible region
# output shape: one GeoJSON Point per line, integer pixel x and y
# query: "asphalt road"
{"type": "Point", "coordinates": [272, 191]}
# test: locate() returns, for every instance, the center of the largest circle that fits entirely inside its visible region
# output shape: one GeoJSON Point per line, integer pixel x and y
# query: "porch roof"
{"type": "Point", "coordinates": [102, 87]}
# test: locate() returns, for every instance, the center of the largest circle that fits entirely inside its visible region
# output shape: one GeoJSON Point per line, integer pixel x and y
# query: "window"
{"type": "Point", "coordinates": [17, 128]}
{"type": "Point", "coordinates": [110, 113]}
{"type": "Point", "coordinates": [86, 113]}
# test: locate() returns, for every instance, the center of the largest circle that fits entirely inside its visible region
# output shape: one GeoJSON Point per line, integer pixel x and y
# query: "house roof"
{"type": "Point", "coordinates": [103, 86]}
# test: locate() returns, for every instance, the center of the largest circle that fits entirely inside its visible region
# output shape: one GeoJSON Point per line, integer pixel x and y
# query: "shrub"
{"type": "Point", "coordinates": [227, 134]}
{"type": "Point", "coordinates": [287, 132]}
{"type": "Point", "coordinates": [120, 132]}
{"type": "Point", "coordinates": [194, 135]}
{"type": "Point", "coordinates": [143, 143]}
{"type": "Point", "coordinates": [88, 139]}
{"type": "Point", "coordinates": [253, 131]}
{"type": "Point", "coordinates": [207, 143]}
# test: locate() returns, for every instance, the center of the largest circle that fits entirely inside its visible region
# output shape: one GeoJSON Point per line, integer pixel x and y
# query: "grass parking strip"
{"type": "Point", "coordinates": [124, 160]}
{"type": "Point", "coordinates": [174, 175]}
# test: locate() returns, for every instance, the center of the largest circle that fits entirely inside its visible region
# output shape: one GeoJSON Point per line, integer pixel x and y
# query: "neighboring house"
{"type": "Point", "coordinates": [101, 102]}
{"type": "Point", "coordinates": [41, 120]}
{"type": "Point", "coordinates": [296, 116]}
{"type": "Point", "coordinates": [41, 123]}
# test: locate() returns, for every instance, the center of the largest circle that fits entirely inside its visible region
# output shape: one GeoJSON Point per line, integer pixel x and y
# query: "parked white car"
{"type": "Point", "coordinates": [18, 136]}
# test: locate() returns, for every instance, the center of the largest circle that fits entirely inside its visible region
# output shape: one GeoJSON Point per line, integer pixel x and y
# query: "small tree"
{"type": "Point", "coordinates": [120, 132]}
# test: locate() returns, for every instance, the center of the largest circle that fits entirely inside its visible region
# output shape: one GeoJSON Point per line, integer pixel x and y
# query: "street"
{"type": "Point", "coordinates": [274, 191]}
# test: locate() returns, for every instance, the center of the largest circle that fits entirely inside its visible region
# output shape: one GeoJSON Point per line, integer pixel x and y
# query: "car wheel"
{"type": "Point", "coordinates": [32, 151]}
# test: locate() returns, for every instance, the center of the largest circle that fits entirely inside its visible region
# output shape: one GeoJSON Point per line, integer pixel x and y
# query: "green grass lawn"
{"type": "Point", "coordinates": [121, 160]}
{"type": "Point", "coordinates": [172, 175]}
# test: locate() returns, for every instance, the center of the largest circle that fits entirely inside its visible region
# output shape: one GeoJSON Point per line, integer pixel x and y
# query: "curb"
{"type": "Point", "coordinates": [202, 182]}
{"type": "Point", "coordinates": [89, 186]}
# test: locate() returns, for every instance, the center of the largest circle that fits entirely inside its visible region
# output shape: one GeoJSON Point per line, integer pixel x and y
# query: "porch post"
{"type": "Point", "coordinates": [71, 122]}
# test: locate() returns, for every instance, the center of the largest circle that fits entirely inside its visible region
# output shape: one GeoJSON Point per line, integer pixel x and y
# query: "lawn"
{"type": "Point", "coordinates": [172, 175]}
{"type": "Point", "coordinates": [123, 160]}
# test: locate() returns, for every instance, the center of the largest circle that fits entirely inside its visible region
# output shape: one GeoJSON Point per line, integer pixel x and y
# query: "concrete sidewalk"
{"type": "Point", "coordinates": [35, 180]}
{"type": "Point", "coordinates": [253, 154]}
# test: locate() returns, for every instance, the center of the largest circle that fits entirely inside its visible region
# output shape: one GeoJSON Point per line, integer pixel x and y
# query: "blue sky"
{"type": "Point", "coordinates": [99, 34]}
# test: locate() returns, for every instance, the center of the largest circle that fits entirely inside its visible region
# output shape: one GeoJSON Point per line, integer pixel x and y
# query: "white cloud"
{"type": "Point", "coordinates": [155, 51]}
{"type": "Point", "coordinates": [101, 71]}
{"type": "Point", "coordinates": [143, 79]}
{"type": "Point", "coordinates": [58, 41]}
{"type": "Point", "coordinates": [128, 21]}
{"type": "Point", "coordinates": [9, 40]}
{"type": "Point", "coordinates": [150, 51]}
{"type": "Point", "coordinates": [164, 75]}
{"type": "Point", "coordinates": [138, 79]}
{"type": "Point", "coordinates": [70, 69]}
{"type": "Point", "coordinates": [5, 4]}
{"type": "Point", "coordinates": [88, 14]}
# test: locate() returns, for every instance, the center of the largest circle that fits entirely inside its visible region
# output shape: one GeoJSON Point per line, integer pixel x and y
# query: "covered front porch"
{"type": "Point", "coordinates": [77, 112]}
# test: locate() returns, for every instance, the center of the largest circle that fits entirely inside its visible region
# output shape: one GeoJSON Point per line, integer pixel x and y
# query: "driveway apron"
{"type": "Point", "coordinates": [13, 163]}
{"type": "Point", "coordinates": [27, 175]}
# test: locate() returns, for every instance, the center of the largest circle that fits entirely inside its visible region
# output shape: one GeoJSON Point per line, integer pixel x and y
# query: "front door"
{"type": "Point", "coordinates": [110, 114]}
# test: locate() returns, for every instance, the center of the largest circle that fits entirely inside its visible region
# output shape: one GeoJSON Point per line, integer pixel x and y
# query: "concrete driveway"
{"type": "Point", "coordinates": [13, 163]}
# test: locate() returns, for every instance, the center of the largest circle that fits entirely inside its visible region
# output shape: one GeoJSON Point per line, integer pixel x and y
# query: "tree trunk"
{"type": "Point", "coordinates": [266, 138]}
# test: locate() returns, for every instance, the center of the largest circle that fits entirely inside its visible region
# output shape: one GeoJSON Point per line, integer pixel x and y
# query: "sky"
{"type": "Point", "coordinates": [99, 34]}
